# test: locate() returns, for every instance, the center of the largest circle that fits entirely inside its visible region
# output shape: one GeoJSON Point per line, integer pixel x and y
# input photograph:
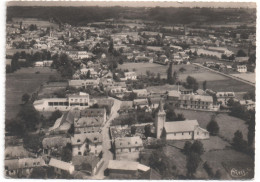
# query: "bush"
{"type": "Point", "coordinates": [213, 127]}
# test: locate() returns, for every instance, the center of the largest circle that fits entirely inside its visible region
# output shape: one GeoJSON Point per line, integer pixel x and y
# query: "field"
{"type": "Point", "coordinates": [202, 60]}
{"type": "Point", "coordinates": [215, 81]}
{"type": "Point", "coordinates": [23, 81]}
{"type": "Point", "coordinates": [246, 76]}
{"type": "Point", "coordinates": [228, 125]}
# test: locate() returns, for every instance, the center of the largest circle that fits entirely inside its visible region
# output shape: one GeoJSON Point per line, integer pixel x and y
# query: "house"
{"type": "Point", "coordinates": [197, 102]}
{"type": "Point", "coordinates": [22, 167]}
{"type": "Point", "coordinates": [141, 93]}
{"type": "Point", "coordinates": [89, 164]}
{"type": "Point", "coordinates": [178, 130]}
{"type": "Point", "coordinates": [125, 169]}
{"type": "Point", "coordinates": [249, 104]}
{"type": "Point", "coordinates": [80, 101]}
{"type": "Point", "coordinates": [130, 75]}
{"type": "Point", "coordinates": [54, 144]}
{"type": "Point", "coordinates": [88, 125]}
{"type": "Point", "coordinates": [223, 97]}
{"type": "Point", "coordinates": [118, 90]}
{"type": "Point", "coordinates": [242, 68]}
{"type": "Point", "coordinates": [94, 112]}
{"type": "Point", "coordinates": [84, 83]}
{"type": "Point", "coordinates": [241, 59]}
{"type": "Point", "coordinates": [128, 144]}
{"type": "Point", "coordinates": [140, 103]}
{"type": "Point", "coordinates": [15, 152]}
{"type": "Point", "coordinates": [61, 166]}
{"type": "Point", "coordinates": [86, 142]}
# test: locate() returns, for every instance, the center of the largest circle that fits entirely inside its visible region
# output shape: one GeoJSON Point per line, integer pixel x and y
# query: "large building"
{"type": "Point", "coordinates": [178, 130]}
{"type": "Point", "coordinates": [80, 101]}
{"type": "Point", "coordinates": [128, 144]}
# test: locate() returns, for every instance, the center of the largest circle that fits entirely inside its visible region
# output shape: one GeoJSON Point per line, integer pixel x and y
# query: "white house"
{"type": "Point", "coordinates": [80, 101]}
{"type": "Point", "coordinates": [128, 144]}
{"type": "Point", "coordinates": [242, 68]}
{"type": "Point", "coordinates": [130, 75]}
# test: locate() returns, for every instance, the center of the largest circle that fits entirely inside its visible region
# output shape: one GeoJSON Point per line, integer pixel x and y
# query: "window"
{"type": "Point", "coordinates": [128, 143]}
{"type": "Point", "coordinates": [78, 140]}
{"type": "Point", "coordinates": [79, 153]}
{"type": "Point", "coordinates": [182, 133]}
{"type": "Point", "coordinates": [198, 133]}
{"type": "Point", "coordinates": [174, 134]}
{"type": "Point", "coordinates": [130, 150]}
{"type": "Point", "coordinates": [136, 142]}
{"type": "Point", "coordinates": [189, 132]}
{"type": "Point", "coordinates": [78, 147]}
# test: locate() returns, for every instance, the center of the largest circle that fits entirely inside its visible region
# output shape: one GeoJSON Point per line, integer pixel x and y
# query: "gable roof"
{"type": "Point", "coordinates": [79, 139]}
{"type": "Point", "coordinates": [126, 165]}
{"type": "Point", "coordinates": [60, 164]}
{"type": "Point", "coordinates": [127, 142]}
{"type": "Point", "coordinates": [89, 121]}
{"type": "Point", "coordinates": [202, 98]}
{"type": "Point", "coordinates": [180, 126]}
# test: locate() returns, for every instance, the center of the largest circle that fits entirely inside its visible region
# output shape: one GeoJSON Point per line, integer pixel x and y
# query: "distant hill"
{"type": "Point", "coordinates": [84, 15]}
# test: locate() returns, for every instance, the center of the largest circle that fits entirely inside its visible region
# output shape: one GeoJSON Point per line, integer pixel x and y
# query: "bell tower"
{"type": "Point", "coordinates": [160, 119]}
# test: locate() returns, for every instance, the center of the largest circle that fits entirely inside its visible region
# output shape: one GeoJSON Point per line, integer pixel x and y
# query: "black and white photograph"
{"type": "Point", "coordinates": [129, 90]}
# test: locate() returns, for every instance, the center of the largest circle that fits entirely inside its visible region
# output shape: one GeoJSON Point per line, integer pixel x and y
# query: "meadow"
{"type": "Point", "coordinates": [215, 81]}
{"type": "Point", "coordinates": [23, 81]}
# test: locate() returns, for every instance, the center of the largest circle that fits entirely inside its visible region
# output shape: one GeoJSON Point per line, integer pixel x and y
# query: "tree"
{"type": "Point", "coordinates": [204, 85]}
{"type": "Point", "coordinates": [170, 115]}
{"type": "Point", "coordinates": [251, 128]}
{"type": "Point", "coordinates": [15, 127]}
{"type": "Point", "coordinates": [88, 74]}
{"type": "Point", "coordinates": [33, 142]}
{"type": "Point", "coordinates": [147, 130]}
{"type": "Point", "coordinates": [182, 69]}
{"type": "Point", "coordinates": [169, 73]}
{"type": "Point", "coordinates": [25, 98]}
{"type": "Point", "coordinates": [111, 47]}
{"type": "Point", "coordinates": [133, 130]}
{"type": "Point", "coordinates": [241, 53]}
{"type": "Point", "coordinates": [191, 83]}
{"type": "Point", "coordinates": [208, 169]}
{"type": "Point", "coordinates": [218, 175]}
{"type": "Point", "coordinates": [213, 127]}
{"type": "Point", "coordinates": [54, 116]}
{"type": "Point", "coordinates": [66, 153]}
{"type": "Point", "coordinates": [38, 173]}
{"type": "Point", "coordinates": [187, 147]}
{"type": "Point", "coordinates": [193, 161]}
{"type": "Point", "coordinates": [249, 95]}
{"type": "Point", "coordinates": [180, 117]}
{"type": "Point", "coordinates": [197, 147]}
{"type": "Point", "coordinates": [238, 142]}
{"type": "Point", "coordinates": [230, 102]}
{"type": "Point", "coordinates": [30, 116]}
{"type": "Point", "coordinates": [160, 162]}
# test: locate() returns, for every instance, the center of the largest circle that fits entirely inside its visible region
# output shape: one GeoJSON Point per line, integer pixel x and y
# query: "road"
{"type": "Point", "coordinates": [230, 76]}
{"type": "Point", "coordinates": [107, 154]}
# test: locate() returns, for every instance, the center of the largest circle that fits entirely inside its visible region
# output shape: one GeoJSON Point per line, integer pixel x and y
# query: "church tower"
{"type": "Point", "coordinates": [160, 119]}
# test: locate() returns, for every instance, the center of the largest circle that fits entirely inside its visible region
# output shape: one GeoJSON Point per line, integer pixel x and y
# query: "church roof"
{"type": "Point", "coordinates": [180, 126]}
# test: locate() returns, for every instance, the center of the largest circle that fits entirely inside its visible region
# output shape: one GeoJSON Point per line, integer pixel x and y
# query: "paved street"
{"type": "Point", "coordinates": [107, 155]}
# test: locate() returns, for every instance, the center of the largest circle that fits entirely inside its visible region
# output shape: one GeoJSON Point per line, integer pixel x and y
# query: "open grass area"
{"type": "Point", "coordinates": [228, 125]}
{"type": "Point", "coordinates": [215, 81]}
{"type": "Point", "coordinates": [246, 76]}
{"type": "Point", "coordinates": [23, 81]}
{"type": "Point", "coordinates": [228, 85]}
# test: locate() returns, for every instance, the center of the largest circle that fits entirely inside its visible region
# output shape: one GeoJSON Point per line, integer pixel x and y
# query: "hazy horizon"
{"type": "Point", "coordinates": [134, 4]}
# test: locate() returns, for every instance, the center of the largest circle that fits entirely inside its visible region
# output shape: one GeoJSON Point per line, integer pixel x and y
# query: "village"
{"type": "Point", "coordinates": [131, 99]}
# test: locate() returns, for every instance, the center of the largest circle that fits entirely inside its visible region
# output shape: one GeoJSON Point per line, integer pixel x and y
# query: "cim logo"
{"type": "Point", "coordinates": [238, 173]}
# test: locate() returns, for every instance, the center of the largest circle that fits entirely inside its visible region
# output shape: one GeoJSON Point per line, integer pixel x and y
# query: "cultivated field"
{"type": "Point", "coordinates": [23, 81]}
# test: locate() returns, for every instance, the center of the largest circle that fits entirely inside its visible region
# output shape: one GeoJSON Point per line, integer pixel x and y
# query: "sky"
{"type": "Point", "coordinates": [134, 4]}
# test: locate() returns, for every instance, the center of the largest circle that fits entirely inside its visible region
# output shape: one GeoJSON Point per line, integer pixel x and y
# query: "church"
{"type": "Point", "coordinates": [178, 130]}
